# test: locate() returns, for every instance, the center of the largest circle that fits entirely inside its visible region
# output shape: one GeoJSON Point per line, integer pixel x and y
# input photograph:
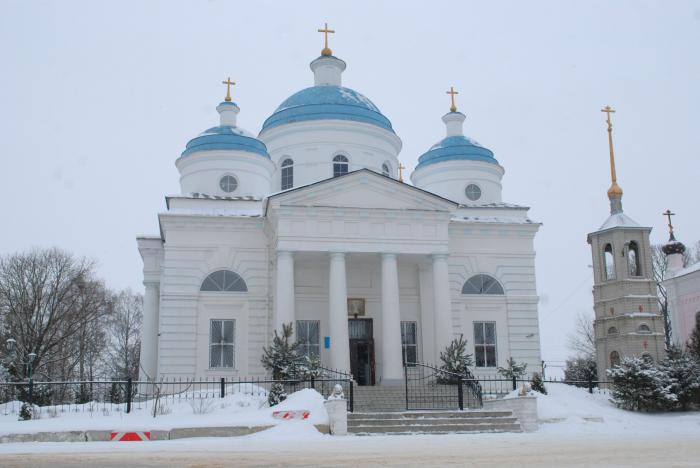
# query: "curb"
{"type": "Point", "coordinates": [177, 433]}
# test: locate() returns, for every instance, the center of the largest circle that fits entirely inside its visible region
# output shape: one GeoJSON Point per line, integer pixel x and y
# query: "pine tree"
{"type": "Point", "coordinates": [639, 385]}
{"type": "Point", "coordinates": [26, 412]}
{"type": "Point", "coordinates": [693, 344]}
{"type": "Point", "coordinates": [514, 369]}
{"type": "Point", "coordinates": [684, 375]}
{"type": "Point", "coordinates": [455, 360]}
{"type": "Point", "coordinates": [309, 367]}
{"type": "Point", "coordinates": [580, 370]}
{"type": "Point", "coordinates": [282, 357]}
{"type": "Point", "coordinates": [276, 394]}
{"type": "Point", "coordinates": [537, 383]}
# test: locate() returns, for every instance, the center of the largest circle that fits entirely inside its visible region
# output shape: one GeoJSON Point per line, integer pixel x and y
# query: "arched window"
{"type": "Point", "coordinates": [609, 262]}
{"type": "Point", "coordinates": [614, 359]}
{"type": "Point", "coordinates": [482, 284]}
{"type": "Point", "coordinates": [287, 174]}
{"type": "Point", "coordinates": [643, 328]}
{"type": "Point", "coordinates": [633, 259]}
{"type": "Point", "coordinates": [224, 281]}
{"type": "Point", "coordinates": [340, 165]}
{"type": "Point", "coordinates": [612, 331]}
{"type": "Point", "coordinates": [385, 169]}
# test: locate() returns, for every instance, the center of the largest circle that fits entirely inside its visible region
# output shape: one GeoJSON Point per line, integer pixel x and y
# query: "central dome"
{"type": "Point", "coordinates": [327, 103]}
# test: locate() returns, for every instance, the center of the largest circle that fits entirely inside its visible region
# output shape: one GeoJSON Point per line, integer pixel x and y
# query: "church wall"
{"type": "Point", "coordinates": [194, 248]}
{"type": "Point", "coordinates": [505, 252]}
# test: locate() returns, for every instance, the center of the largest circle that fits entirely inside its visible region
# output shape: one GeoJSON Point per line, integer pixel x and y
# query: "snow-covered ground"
{"type": "Point", "coordinates": [247, 408]}
{"type": "Point", "coordinates": [566, 414]}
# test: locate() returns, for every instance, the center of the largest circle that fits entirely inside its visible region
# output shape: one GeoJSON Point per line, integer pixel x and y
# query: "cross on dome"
{"type": "Point", "coordinates": [615, 191]}
{"type": "Point", "coordinates": [228, 84]}
{"type": "Point", "coordinates": [326, 50]}
{"type": "Point", "coordinates": [668, 214]}
{"type": "Point", "coordinates": [452, 92]}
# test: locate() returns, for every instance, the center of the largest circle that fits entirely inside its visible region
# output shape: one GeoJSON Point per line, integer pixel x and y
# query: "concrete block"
{"type": "Point", "coordinates": [70, 436]}
{"type": "Point", "coordinates": [186, 432]}
{"type": "Point", "coordinates": [523, 408]}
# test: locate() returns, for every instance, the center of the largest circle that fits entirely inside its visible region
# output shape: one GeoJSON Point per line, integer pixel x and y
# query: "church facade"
{"type": "Point", "coordinates": [311, 224]}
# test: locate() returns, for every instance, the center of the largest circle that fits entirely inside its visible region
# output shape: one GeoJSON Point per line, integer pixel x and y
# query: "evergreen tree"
{"type": "Point", "coordinates": [282, 359]}
{"type": "Point", "coordinates": [309, 367]}
{"type": "Point", "coordinates": [580, 370]}
{"type": "Point", "coordinates": [684, 375]}
{"type": "Point", "coordinates": [639, 385]}
{"type": "Point", "coordinates": [514, 369]}
{"type": "Point", "coordinates": [455, 360]}
{"type": "Point", "coordinates": [537, 383]}
{"type": "Point", "coordinates": [276, 395]}
{"type": "Point", "coordinates": [693, 344]}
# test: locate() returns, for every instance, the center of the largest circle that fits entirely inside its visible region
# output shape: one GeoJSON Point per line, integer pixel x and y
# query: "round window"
{"type": "Point", "coordinates": [228, 183]}
{"type": "Point", "coordinates": [473, 192]}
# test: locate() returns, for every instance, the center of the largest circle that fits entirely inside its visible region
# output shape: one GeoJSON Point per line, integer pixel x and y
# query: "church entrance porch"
{"type": "Point", "coordinates": [362, 365]}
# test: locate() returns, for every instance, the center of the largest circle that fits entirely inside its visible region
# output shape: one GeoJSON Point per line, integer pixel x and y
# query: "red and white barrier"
{"type": "Point", "coordinates": [292, 414]}
{"type": "Point", "coordinates": [129, 436]}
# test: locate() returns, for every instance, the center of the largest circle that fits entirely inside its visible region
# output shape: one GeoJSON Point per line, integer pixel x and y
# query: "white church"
{"type": "Point", "coordinates": [310, 223]}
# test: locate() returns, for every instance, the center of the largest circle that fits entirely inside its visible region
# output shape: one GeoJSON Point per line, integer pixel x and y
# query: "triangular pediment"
{"type": "Point", "coordinates": [363, 189]}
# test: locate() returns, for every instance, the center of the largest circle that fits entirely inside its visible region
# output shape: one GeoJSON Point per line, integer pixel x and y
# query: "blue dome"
{"type": "Point", "coordinates": [456, 148]}
{"type": "Point", "coordinates": [225, 137]}
{"type": "Point", "coordinates": [327, 103]}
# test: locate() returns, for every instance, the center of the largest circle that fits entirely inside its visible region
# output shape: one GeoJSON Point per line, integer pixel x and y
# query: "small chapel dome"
{"type": "Point", "coordinates": [455, 146]}
{"type": "Point", "coordinates": [226, 136]}
{"type": "Point", "coordinates": [226, 160]}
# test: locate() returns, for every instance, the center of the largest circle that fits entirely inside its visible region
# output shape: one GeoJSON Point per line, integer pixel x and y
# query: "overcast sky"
{"type": "Point", "coordinates": [97, 100]}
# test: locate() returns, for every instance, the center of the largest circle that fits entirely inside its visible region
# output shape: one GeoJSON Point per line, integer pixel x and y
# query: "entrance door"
{"type": "Point", "coordinates": [361, 350]}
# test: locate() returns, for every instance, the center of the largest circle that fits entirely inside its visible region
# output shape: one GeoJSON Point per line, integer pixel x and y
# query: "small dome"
{"type": "Point", "coordinates": [327, 103]}
{"type": "Point", "coordinates": [226, 136]}
{"type": "Point", "coordinates": [456, 148]}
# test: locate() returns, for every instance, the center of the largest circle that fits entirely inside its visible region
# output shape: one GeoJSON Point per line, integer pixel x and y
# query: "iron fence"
{"type": "Point", "coordinates": [495, 386]}
{"type": "Point", "coordinates": [110, 396]}
{"type": "Point", "coordinates": [431, 388]}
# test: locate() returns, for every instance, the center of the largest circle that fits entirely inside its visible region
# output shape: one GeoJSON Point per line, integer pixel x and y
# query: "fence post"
{"type": "Point", "coordinates": [352, 399]}
{"type": "Point", "coordinates": [590, 385]}
{"type": "Point", "coordinates": [31, 391]}
{"type": "Point", "coordinates": [313, 383]}
{"type": "Point", "coordinates": [515, 384]}
{"type": "Point", "coordinates": [460, 394]}
{"type": "Point", "coordinates": [223, 387]}
{"type": "Point", "coordinates": [405, 377]}
{"type": "Point", "coordinates": [128, 395]}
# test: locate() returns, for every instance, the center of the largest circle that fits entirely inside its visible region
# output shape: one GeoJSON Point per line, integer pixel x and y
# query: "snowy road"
{"type": "Point", "coordinates": [483, 450]}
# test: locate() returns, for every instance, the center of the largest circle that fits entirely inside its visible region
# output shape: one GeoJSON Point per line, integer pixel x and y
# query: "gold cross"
{"type": "Point", "coordinates": [228, 84]}
{"type": "Point", "coordinates": [668, 214]}
{"type": "Point", "coordinates": [608, 110]}
{"type": "Point", "coordinates": [452, 92]}
{"type": "Point", "coordinates": [401, 168]}
{"type": "Point", "coordinates": [326, 51]}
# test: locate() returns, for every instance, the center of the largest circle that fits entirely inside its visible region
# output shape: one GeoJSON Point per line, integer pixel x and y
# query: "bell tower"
{"type": "Point", "coordinates": [627, 318]}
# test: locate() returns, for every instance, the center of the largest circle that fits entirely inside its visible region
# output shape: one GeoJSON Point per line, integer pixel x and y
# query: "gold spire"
{"type": "Point", "coordinates": [401, 168]}
{"type": "Point", "coordinates": [614, 190]}
{"type": "Point", "coordinates": [326, 52]}
{"type": "Point", "coordinates": [668, 214]}
{"type": "Point", "coordinates": [452, 92]}
{"type": "Point", "coordinates": [228, 84]}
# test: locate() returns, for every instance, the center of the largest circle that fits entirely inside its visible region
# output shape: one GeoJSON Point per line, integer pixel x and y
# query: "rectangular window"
{"type": "Point", "coordinates": [221, 343]}
{"type": "Point", "coordinates": [485, 344]}
{"type": "Point", "coordinates": [409, 342]}
{"type": "Point", "coordinates": [308, 337]}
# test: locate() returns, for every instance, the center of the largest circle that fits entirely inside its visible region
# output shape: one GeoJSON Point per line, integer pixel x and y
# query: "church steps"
{"type": "Point", "coordinates": [432, 422]}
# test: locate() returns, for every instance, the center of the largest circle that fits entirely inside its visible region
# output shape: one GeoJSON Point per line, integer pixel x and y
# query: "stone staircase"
{"type": "Point", "coordinates": [382, 410]}
{"type": "Point", "coordinates": [432, 422]}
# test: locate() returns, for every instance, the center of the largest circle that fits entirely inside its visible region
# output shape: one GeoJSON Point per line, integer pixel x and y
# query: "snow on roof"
{"type": "Point", "coordinates": [618, 220]}
{"type": "Point", "coordinates": [492, 219]}
{"type": "Point", "coordinates": [495, 205]}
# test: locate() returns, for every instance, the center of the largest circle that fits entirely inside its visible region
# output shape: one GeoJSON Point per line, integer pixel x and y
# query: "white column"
{"type": "Point", "coordinates": [148, 368]}
{"type": "Point", "coordinates": [284, 294]}
{"type": "Point", "coordinates": [392, 367]}
{"type": "Point", "coordinates": [338, 313]}
{"type": "Point", "coordinates": [442, 303]}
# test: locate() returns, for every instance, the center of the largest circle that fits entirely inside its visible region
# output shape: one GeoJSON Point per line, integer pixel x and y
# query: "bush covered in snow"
{"type": "Point", "coordinates": [537, 384]}
{"type": "Point", "coordinates": [639, 385]}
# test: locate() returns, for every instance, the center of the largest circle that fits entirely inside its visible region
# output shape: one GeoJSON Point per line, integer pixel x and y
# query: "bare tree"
{"type": "Point", "coordinates": [124, 329]}
{"type": "Point", "coordinates": [48, 300]}
{"type": "Point", "coordinates": [582, 339]}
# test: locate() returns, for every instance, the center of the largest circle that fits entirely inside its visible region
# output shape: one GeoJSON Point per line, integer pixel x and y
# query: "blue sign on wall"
{"type": "Point", "coordinates": [327, 342]}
